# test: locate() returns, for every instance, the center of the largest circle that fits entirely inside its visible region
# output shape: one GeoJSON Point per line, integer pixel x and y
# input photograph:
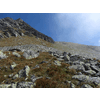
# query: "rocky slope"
{"type": "Point", "coordinates": [10, 27]}
{"type": "Point", "coordinates": [31, 62]}
{"type": "Point", "coordinates": [79, 49]}
{"type": "Point", "coordinates": [45, 67]}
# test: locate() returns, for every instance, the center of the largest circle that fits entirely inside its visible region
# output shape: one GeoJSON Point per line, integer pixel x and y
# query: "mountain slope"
{"type": "Point", "coordinates": [78, 49]}
{"type": "Point", "coordinates": [30, 59]}
{"type": "Point", "coordinates": [18, 31]}
{"type": "Point", "coordinates": [10, 27]}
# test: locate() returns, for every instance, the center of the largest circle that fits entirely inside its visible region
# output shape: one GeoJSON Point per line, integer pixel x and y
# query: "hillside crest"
{"type": "Point", "coordinates": [10, 27]}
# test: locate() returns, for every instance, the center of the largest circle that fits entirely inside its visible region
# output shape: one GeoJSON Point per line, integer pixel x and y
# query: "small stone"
{"type": "Point", "coordinates": [16, 76]}
{"type": "Point", "coordinates": [13, 85]}
{"type": "Point", "coordinates": [5, 75]}
{"type": "Point", "coordinates": [10, 75]}
{"type": "Point", "coordinates": [72, 85]}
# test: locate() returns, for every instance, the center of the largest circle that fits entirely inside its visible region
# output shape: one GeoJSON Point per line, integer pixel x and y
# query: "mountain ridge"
{"type": "Point", "coordinates": [11, 27]}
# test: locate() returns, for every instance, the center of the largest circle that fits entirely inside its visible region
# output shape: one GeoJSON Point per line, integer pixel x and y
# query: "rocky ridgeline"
{"type": "Point", "coordinates": [10, 27]}
{"type": "Point", "coordinates": [88, 69]}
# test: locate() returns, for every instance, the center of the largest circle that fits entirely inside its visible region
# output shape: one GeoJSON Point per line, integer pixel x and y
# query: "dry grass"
{"type": "Point", "coordinates": [98, 61]}
{"type": "Point", "coordinates": [94, 58]}
{"type": "Point", "coordinates": [23, 40]}
{"type": "Point", "coordinates": [58, 74]}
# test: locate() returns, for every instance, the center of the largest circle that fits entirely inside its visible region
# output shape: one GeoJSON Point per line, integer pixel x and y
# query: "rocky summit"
{"type": "Point", "coordinates": [30, 59]}
{"type": "Point", "coordinates": [10, 27]}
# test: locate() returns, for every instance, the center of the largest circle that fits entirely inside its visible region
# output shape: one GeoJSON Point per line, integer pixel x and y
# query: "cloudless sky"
{"type": "Point", "coordinates": [82, 28]}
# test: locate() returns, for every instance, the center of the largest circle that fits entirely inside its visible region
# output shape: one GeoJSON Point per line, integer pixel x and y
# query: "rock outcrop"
{"type": "Point", "coordinates": [10, 27]}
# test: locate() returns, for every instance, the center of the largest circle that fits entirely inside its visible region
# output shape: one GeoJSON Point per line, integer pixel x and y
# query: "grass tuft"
{"type": "Point", "coordinates": [45, 83]}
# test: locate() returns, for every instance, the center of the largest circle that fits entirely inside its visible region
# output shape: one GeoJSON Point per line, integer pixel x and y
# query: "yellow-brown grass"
{"type": "Point", "coordinates": [58, 74]}
{"type": "Point", "coordinates": [23, 40]}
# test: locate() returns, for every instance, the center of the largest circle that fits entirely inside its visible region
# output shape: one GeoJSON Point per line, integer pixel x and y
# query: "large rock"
{"type": "Point", "coordinates": [2, 55]}
{"type": "Point", "coordinates": [34, 78]}
{"type": "Point", "coordinates": [29, 54]}
{"type": "Point", "coordinates": [87, 79]}
{"type": "Point", "coordinates": [16, 54]}
{"type": "Point", "coordinates": [58, 63]}
{"type": "Point", "coordinates": [87, 66]}
{"type": "Point", "coordinates": [25, 85]}
{"type": "Point", "coordinates": [86, 86]}
{"type": "Point", "coordinates": [13, 66]}
{"type": "Point", "coordinates": [15, 76]}
{"type": "Point", "coordinates": [7, 34]}
{"type": "Point", "coordinates": [95, 68]}
{"type": "Point", "coordinates": [90, 72]}
{"type": "Point", "coordinates": [13, 32]}
{"type": "Point", "coordinates": [24, 72]}
{"type": "Point", "coordinates": [1, 35]}
{"type": "Point", "coordinates": [77, 67]}
{"type": "Point", "coordinates": [5, 85]}
{"type": "Point", "coordinates": [8, 22]}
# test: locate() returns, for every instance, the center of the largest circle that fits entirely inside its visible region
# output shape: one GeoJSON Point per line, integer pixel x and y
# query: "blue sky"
{"type": "Point", "coordinates": [82, 28]}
